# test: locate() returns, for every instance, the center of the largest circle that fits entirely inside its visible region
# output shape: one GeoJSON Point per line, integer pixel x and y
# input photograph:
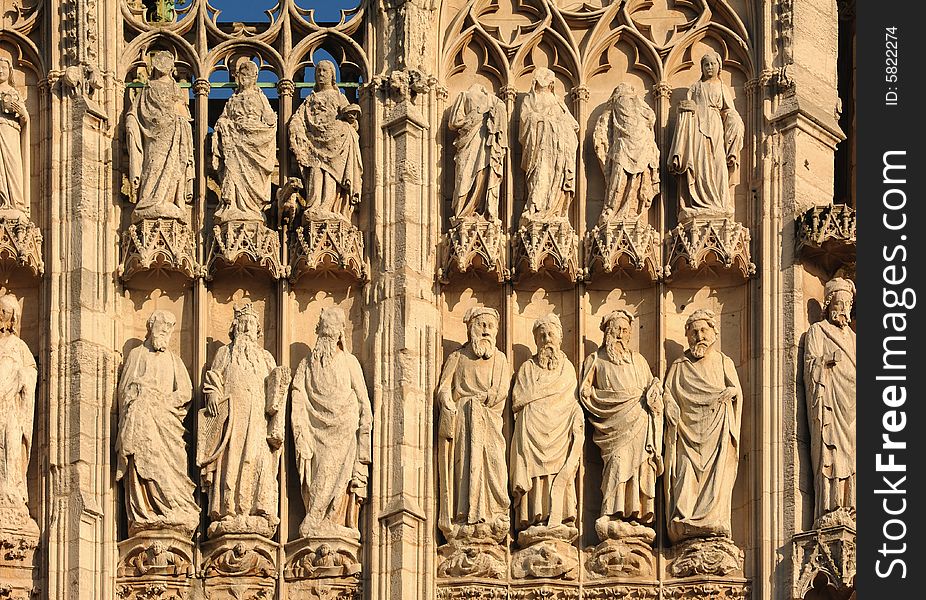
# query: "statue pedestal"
{"type": "Point", "coordinates": [323, 568]}
{"type": "Point", "coordinates": [330, 245]}
{"type": "Point", "coordinates": [475, 551]}
{"type": "Point", "coordinates": [548, 246]}
{"type": "Point", "coordinates": [706, 556]}
{"type": "Point", "coordinates": [623, 247]}
{"type": "Point", "coordinates": [245, 245]}
{"type": "Point", "coordinates": [17, 560]}
{"type": "Point", "coordinates": [153, 560]}
{"type": "Point", "coordinates": [547, 553]}
{"type": "Point", "coordinates": [625, 551]}
{"type": "Point", "coordinates": [158, 245]}
{"type": "Point", "coordinates": [474, 244]}
{"type": "Point", "coordinates": [21, 245]}
{"type": "Point", "coordinates": [709, 244]}
{"type": "Point", "coordinates": [825, 559]}
{"type": "Point", "coordinates": [239, 566]}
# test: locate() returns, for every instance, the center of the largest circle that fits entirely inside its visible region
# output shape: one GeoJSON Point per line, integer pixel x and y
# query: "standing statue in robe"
{"type": "Point", "coordinates": [14, 147]}
{"type": "Point", "coordinates": [829, 379]}
{"type": "Point", "coordinates": [18, 376]}
{"type": "Point", "coordinates": [549, 146]}
{"type": "Point", "coordinates": [703, 409]}
{"type": "Point", "coordinates": [481, 122]}
{"type": "Point", "coordinates": [154, 393]}
{"type": "Point", "coordinates": [705, 149]}
{"type": "Point", "coordinates": [549, 431]}
{"type": "Point", "coordinates": [626, 147]}
{"type": "Point", "coordinates": [159, 137]}
{"type": "Point", "coordinates": [624, 402]}
{"type": "Point", "coordinates": [244, 150]}
{"type": "Point", "coordinates": [241, 431]}
{"type": "Point", "coordinates": [323, 136]}
{"type": "Point", "coordinates": [332, 421]}
{"type": "Point", "coordinates": [472, 470]}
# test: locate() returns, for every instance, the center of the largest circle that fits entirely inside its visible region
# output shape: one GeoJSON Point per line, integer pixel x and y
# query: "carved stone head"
{"type": "Point", "coordinates": [246, 73]}
{"type": "Point", "coordinates": [543, 80]}
{"type": "Point", "coordinates": [9, 313]}
{"type": "Point", "coordinates": [701, 330]}
{"type": "Point", "coordinates": [331, 324]}
{"type": "Point", "coordinates": [6, 70]}
{"type": "Point", "coordinates": [482, 329]}
{"type": "Point", "coordinates": [325, 75]}
{"type": "Point", "coordinates": [161, 325]}
{"type": "Point", "coordinates": [711, 63]}
{"type": "Point", "coordinates": [617, 328]}
{"type": "Point", "coordinates": [548, 335]}
{"type": "Point", "coordinates": [245, 323]}
{"type": "Point", "coordinates": [837, 303]}
{"type": "Point", "coordinates": [162, 63]}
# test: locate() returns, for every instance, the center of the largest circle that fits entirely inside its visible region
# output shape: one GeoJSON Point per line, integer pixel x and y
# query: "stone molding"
{"type": "Point", "coordinates": [21, 245]}
{"type": "Point", "coordinates": [826, 236]}
{"type": "Point", "coordinates": [623, 247]}
{"type": "Point", "coordinates": [709, 243]}
{"type": "Point", "coordinates": [326, 246]}
{"type": "Point", "coordinates": [158, 245]}
{"type": "Point", "coordinates": [245, 244]}
{"type": "Point", "coordinates": [551, 247]}
{"type": "Point", "coordinates": [825, 557]}
{"type": "Point", "coordinates": [474, 245]}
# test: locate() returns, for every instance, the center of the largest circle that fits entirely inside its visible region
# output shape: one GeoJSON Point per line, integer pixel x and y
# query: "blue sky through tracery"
{"type": "Point", "coordinates": [254, 11]}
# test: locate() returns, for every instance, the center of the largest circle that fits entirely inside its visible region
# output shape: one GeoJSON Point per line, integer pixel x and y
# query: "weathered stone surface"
{"type": "Point", "coordinates": [701, 384]}
{"type": "Point", "coordinates": [626, 148]}
{"type": "Point", "coordinates": [548, 151]}
{"type": "Point", "coordinates": [18, 375]}
{"type": "Point", "coordinates": [244, 150]}
{"type": "Point", "coordinates": [829, 381]}
{"type": "Point", "coordinates": [480, 120]}
{"type": "Point", "coordinates": [159, 140]}
{"type": "Point", "coordinates": [471, 395]}
{"type": "Point", "coordinates": [241, 431]}
{"type": "Point", "coordinates": [154, 394]}
{"type": "Point", "coordinates": [14, 148]}
{"type": "Point", "coordinates": [323, 136]}
{"type": "Point", "coordinates": [331, 420]}
{"type": "Point", "coordinates": [706, 146]}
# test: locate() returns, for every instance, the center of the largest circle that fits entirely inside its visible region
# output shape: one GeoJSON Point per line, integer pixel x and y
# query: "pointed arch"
{"type": "Point", "coordinates": [135, 52]}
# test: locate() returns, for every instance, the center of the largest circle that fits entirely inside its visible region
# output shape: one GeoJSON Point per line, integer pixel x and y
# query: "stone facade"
{"type": "Point", "coordinates": [425, 302]}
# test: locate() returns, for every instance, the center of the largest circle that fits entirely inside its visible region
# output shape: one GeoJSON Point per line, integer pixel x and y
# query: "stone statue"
{"type": "Point", "coordinates": [546, 447]}
{"type": "Point", "coordinates": [481, 122]}
{"type": "Point", "coordinates": [14, 147]}
{"type": "Point", "coordinates": [331, 419]}
{"type": "Point", "coordinates": [154, 393]}
{"type": "Point", "coordinates": [549, 146]}
{"type": "Point", "coordinates": [159, 138]}
{"type": "Point", "coordinates": [241, 431]}
{"type": "Point", "coordinates": [244, 149]}
{"type": "Point", "coordinates": [624, 402]}
{"type": "Point", "coordinates": [829, 378]}
{"type": "Point", "coordinates": [705, 149]}
{"type": "Point", "coordinates": [471, 396]}
{"type": "Point", "coordinates": [548, 434]}
{"type": "Point", "coordinates": [626, 147]}
{"type": "Point", "coordinates": [703, 408]}
{"type": "Point", "coordinates": [18, 375]}
{"type": "Point", "coordinates": [324, 139]}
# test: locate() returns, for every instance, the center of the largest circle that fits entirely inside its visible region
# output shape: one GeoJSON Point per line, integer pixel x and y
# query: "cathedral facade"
{"type": "Point", "coordinates": [427, 299]}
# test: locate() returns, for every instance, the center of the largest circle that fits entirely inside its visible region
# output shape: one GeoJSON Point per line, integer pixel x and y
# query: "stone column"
{"type": "Point", "coordinates": [401, 300]}
{"type": "Point", "coordinates": [79, 526]}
